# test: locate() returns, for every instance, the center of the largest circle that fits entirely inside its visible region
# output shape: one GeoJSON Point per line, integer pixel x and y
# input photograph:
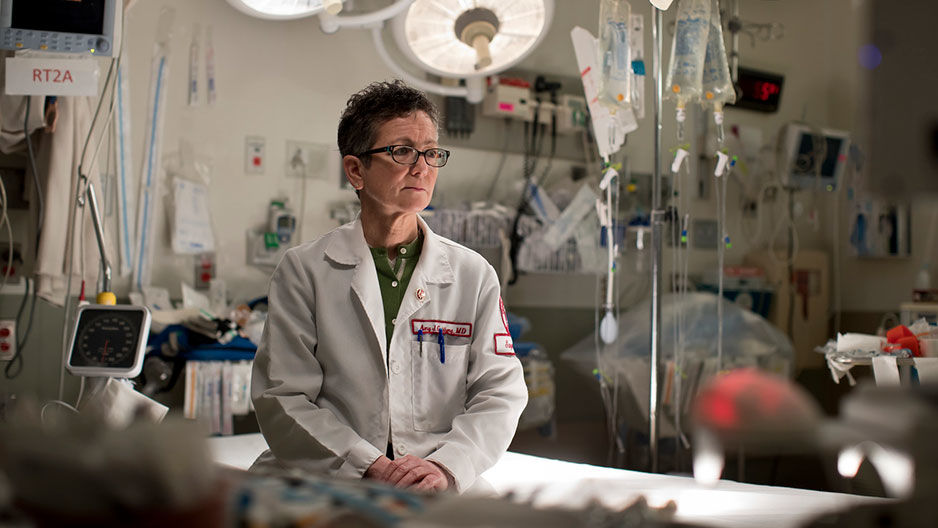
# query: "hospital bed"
{"type": "Point", "coordinates": [546, 483]}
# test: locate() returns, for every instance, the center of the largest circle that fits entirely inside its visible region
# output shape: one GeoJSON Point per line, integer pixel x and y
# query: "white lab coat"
{"type": "Point", "coordinates": [328, 392]}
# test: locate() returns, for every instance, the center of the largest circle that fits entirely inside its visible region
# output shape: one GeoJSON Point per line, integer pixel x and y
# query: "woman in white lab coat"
{"type": "Point", "coordinates": [376, 362]}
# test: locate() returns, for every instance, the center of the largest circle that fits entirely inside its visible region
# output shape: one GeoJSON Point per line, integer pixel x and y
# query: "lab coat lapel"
{"type": "Point", "coordinates": [351, 249]}
{"type": "Point", "coordinates": [433, 267]}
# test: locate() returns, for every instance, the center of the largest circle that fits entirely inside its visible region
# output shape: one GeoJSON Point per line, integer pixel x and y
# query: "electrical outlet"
{"type": "Point", "coordinates": [204, 270]}
{"type": "Point", "coordinates": [254, 157]}
{"type": "Point", "coordinates": [7, 339]}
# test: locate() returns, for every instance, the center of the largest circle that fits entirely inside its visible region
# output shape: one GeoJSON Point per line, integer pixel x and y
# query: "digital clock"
{"type": "Point", "coordinates": [758, 90]}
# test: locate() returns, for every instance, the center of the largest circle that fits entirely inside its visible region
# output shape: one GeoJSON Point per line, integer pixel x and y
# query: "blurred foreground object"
{"type": "Point", "coordinates": [892, 427]}
{"type": "Point", "coordinates": [76, 470]}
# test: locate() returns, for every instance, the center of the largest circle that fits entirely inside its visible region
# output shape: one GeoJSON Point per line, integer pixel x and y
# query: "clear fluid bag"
{"type": "Point", "coordinates": [717, 85]}
{"type": "Point", "coordinates": [615, 54]}
{"type": "Point", "coordinates": [688, 51]}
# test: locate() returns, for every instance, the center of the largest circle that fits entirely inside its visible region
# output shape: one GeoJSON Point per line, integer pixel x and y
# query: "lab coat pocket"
{"type": "Point", "coordinates": [439, 386]}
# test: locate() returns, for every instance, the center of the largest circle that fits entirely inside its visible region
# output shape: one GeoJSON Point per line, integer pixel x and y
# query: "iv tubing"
{"type": "Point", "coordinates": [721, 250]}
{"type": "Point", "coordinates": [656, 221]}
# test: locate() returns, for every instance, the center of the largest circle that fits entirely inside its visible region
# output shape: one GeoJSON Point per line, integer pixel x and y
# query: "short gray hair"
{"type": "Point", "coordinates": [373, 106]}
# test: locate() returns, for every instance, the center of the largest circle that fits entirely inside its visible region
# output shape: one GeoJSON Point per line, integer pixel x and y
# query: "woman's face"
{"type": "Point", "coordinates": [390, 188]}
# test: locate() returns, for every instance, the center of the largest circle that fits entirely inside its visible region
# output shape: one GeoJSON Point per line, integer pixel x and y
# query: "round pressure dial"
{"type": "Point", "coordinates": [110, 339]}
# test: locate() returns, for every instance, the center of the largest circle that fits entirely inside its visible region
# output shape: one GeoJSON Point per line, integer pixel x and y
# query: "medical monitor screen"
{"type": "Point", "coordinates": [65, 16]}
{"type": "Point", "coordinates": [829, 147]}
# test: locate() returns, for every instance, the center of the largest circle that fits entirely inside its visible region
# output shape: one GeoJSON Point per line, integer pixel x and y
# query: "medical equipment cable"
{"type": "Point", "coordinates": [24, 335]}
{"type": "Point", "coordinates": [612, 235]}
{"type": "Point", "coordinates": [788, 219]}
{"type": "Point", "coordinates": [600, 374]}
{"type": "Point", "coordinates": [680, 361]}
{"type": "Point", "coordinates": [836, 243]}
{"type": "Point", "coordinates": [5, 220]}
{"type": "Point", "coordinates": [722, 172]}
{"type": "Point", "coordinates": [721, 250]}
{"type": "Point", "coordinates": [674, 205]}
{"type": "Point", "coordinates": [81, 392]}
{"type": "Point", "coordinates": [682, 252]}
{"type": "Point", "coordinates": [602, 332]}
{"type": "Point", "coordinates": [501, 163]}
{"type": "Point", "coordinates": [653, 411]}
{"type": "Point", "coordinates": [528, 168]}
{"type": "Point", "coordinates": [754, 238]}
{"type": "Point", "coordinates": [553, 148]}
{"type": "Point", "coordinates": [675, 285]}
{"type": "Point", "coordinates": [32, 167]}
{"type": "Point", "coordinates": [9, 371]}
{"type": "Point", "coordinates": [42, 410]}
{"type": "Point", "coordinates": [97, 111]}
{"type": "Point", "coordinates": [791, 265]}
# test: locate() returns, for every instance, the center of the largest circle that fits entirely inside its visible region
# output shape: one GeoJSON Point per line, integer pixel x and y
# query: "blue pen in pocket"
{"type": "Point", "coordinates": [442, 348]}
{"type": "Point", "coordinates": [420, 340]}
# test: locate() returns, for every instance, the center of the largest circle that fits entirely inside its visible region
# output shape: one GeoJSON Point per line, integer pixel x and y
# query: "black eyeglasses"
{"type": "Point", "coordinates": [407, 155]}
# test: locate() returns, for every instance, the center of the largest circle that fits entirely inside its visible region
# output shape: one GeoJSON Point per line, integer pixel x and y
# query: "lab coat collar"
{"type": "Point", "coordinates": [434, 264]}
{"type": "Point", "coordinates": [350, 249]}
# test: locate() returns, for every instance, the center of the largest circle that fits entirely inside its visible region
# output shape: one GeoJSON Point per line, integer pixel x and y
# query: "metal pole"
{"type": "Point", "coordinates": [99, 235]}
{"type": "Point", "coordinates": [657, 220]}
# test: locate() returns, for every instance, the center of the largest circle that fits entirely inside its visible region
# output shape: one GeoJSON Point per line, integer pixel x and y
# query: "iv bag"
{"type": "Point", "coordinates": [688, 50]}
{"type": "Point", "coordinates": [716, 82]}
{"type": "Point", "coordinates": [615, 55]}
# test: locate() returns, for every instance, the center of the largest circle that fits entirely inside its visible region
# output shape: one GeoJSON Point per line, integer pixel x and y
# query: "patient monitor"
{"type": "Point", "coordinates": [61, 26]}
{"type": "Point", "coordinates": [814, 158]}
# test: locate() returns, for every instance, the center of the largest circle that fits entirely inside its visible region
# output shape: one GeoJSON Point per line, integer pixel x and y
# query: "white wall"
{"type": "Point", "coordinates": [287, 80]}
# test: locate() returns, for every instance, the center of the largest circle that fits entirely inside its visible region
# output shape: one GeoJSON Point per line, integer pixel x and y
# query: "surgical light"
{"type": "Point", "coordinates": [286, 9]}
{"type": "Point", "coordinates": [452, 38]}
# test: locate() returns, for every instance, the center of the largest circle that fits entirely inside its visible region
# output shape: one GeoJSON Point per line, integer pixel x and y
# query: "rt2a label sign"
{"type": "Point", "coordinates": [51, 76]}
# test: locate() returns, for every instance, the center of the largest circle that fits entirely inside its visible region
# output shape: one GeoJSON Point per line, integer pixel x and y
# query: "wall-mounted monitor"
{"type": "Point", "coordinates": [815, 158]}
{"type": "Point", "coordinates": [758, 90]}
{"type": "Point", "coordinates": [61, 26]}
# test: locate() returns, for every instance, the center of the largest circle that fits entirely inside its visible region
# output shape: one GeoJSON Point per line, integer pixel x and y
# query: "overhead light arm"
{"type": "Point", "coordinates": [474, 89]}
{"type": "Point", "coordinates": [330, 24]}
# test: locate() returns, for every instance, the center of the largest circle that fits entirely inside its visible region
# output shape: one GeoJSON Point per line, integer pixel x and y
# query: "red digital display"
{"type": "Point", "coordinates": [759, 90]}
{"type": "Point", "coordinates": [765, 90]}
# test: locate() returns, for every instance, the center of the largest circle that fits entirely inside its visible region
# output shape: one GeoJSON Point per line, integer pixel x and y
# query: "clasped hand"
{"type": "Point", "coordinates": [408, 471]}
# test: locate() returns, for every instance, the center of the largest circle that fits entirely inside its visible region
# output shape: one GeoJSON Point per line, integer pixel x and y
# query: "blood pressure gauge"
{"type": "Point", "coordinates": [109, 341]}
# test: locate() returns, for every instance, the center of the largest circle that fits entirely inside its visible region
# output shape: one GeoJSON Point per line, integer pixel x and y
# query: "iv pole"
{"type": "Point", "coordinates": [657, 224]}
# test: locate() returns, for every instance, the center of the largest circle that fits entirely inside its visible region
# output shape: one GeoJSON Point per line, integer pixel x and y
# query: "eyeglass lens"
{"type": "Point", "coordinates": [435, 157]}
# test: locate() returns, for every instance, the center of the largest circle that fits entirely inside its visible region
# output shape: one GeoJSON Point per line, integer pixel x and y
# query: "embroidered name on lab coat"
{"type": "Point", "coordinates": [445, 327]}
{"type": "Point", "coordinates": [504, 345]}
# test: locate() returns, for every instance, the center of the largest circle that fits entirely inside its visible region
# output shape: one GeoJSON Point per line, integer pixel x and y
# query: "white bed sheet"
{"type": "Point", "coordinates": [547, 482]}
